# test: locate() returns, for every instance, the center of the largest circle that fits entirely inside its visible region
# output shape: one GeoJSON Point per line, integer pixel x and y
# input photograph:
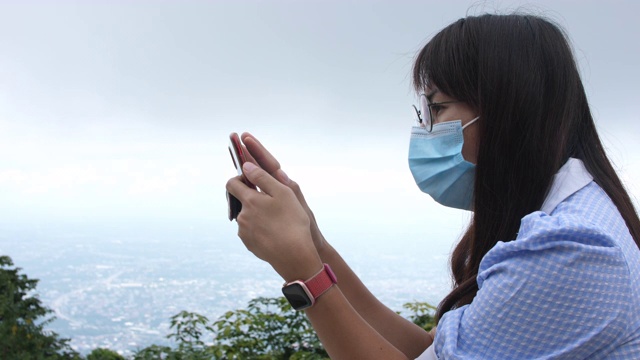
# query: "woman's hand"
{"type": "Point", "coordinates": [274, 226]}
{"type": "Point", "coordinates": [260, 156]}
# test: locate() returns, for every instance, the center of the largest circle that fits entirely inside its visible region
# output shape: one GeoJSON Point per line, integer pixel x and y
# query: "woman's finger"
{"type": "Point", "coordinates": [262, 156]}
{"type": "Point", "coordinates": [236, 187]}
{"type": "Point", "coordinates": [262, 179]}
{"type": "Point", "coordinates": [248, 156]}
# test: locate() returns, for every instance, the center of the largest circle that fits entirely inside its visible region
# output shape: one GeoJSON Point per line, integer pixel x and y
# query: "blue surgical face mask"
{"type": "Point", "coordinates": [437, 165]}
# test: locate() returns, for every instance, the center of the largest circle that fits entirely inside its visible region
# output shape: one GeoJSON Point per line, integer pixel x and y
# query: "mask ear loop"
{"type": "Point", "coordinates": [471, 122]}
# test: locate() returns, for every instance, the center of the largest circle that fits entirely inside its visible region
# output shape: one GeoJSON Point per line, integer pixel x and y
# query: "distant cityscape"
{"type": "Point", "coordinates": [119, 292]}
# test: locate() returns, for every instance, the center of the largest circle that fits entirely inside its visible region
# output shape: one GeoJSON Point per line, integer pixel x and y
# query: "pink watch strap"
{"type": "Point", "coordinates": [321, 282]}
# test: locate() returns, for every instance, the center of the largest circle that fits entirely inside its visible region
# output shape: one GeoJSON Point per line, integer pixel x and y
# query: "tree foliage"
{"type": "Point", "coordinates": [267, 329]}
{"type": "Point", "coordinates": [104, 354]}
{"type": "Point", "coordinates": [421, 314]}
{"type": "Point", "coordinates": [23, 319]}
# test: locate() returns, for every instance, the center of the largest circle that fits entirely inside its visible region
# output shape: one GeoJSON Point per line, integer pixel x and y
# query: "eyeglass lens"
{"type": "Point", "coordinates": [425, 112]}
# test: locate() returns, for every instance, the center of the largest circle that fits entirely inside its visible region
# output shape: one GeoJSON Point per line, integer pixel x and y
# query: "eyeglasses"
{"type": "Point", "coordinates": [424, 116]}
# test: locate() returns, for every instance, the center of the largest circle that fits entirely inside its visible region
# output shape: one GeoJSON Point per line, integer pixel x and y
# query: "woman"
{"type": "Point", "coordinates": [549, 266]}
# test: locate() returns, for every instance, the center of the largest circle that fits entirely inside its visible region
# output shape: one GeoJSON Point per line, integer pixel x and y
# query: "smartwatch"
{"type": "Point", "coordinates": [303, 294]}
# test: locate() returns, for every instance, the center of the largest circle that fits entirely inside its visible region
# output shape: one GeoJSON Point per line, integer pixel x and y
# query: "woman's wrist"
{"type": "Point", "coordinates": [302, 263]}
{"type": "Point", "coordinates": [326, 251]}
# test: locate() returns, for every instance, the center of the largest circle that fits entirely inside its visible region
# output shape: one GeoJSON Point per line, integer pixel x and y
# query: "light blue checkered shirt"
{"type": "Point", "coordinates": [568, 287]}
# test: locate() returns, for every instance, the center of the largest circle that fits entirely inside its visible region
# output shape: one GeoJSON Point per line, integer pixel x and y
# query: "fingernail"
{"type": "Point", "coordinates": [284, 177]}
{"type": "Point", "coordinates": [248, 167]}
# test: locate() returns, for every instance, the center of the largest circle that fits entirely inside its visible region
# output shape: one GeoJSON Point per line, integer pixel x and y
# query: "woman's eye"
{"type": "Point", "coordinates": [435, 108]}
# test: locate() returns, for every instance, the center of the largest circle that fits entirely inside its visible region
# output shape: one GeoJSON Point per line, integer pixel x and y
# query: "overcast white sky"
{"type": "Point", "coordinates": [112, 109]}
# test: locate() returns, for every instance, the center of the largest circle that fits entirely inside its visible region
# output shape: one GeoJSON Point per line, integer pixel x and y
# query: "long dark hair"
{"type": "Point", "coordinates": [519, 73]}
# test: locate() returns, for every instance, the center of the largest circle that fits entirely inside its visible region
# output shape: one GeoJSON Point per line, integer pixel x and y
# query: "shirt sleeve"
{"type": "Point", "coordinates": [428, 354]}
{"type": "Point", "coordinates": [560, 290]}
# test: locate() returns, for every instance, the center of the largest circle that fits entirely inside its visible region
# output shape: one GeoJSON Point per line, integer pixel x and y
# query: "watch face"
{"type": "Point", "coordinates": [297, 296]}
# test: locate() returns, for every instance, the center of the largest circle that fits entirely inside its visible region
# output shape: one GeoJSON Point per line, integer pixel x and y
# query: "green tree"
{"type": "Point", "coordinates": [422, 314]}
{"type": "Point", "coordinates": [189, 331]}
{"type": "Point", "coordinates": [157, 352]}
{"type": "Point", "coordinates": [23, 319]}
{"type": "Point", "coordinates": [104, 354]}
{"type": "Point", "coordinates": [267, 329]}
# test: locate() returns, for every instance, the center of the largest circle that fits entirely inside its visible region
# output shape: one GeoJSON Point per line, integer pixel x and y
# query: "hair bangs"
{"type": "Point", "coordinates": [448, 62]}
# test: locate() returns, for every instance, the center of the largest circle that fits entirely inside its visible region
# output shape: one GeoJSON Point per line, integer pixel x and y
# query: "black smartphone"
{"type": "Point", "coordinates": [237, 156]}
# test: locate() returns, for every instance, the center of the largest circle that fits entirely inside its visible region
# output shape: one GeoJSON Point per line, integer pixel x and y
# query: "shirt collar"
{"type": "Point", "coordinates": [571, 177]}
